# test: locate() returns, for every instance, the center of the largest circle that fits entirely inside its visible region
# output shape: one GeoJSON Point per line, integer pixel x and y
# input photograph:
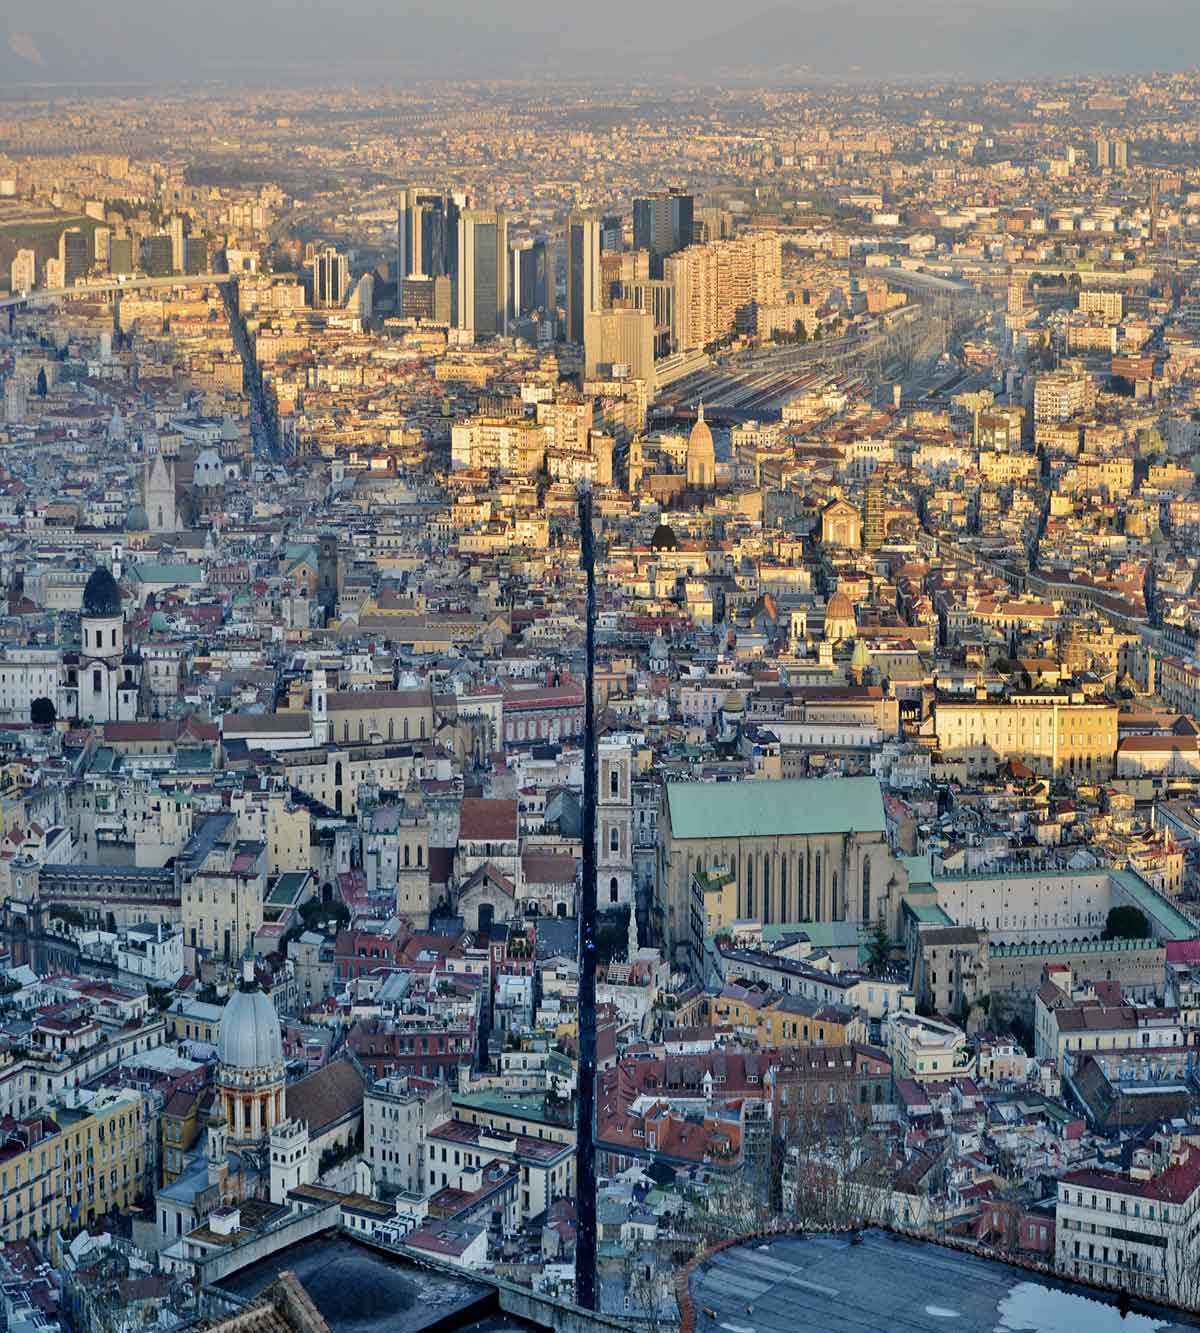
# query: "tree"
{"type": "Point", "coordinates": [879, 950]}
{"type": "Point", "coordinates": [1126, 923]}
{"type": "Point", "coordinates": [42, 387]}
{"type": "Point", "coordinates": [838, 1172]}
{"type": "Point", "coordinates": [42, 712]}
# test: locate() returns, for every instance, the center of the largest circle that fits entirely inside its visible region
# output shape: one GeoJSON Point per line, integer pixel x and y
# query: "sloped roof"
{"type": "Point", "coordinates": [328, 1095]}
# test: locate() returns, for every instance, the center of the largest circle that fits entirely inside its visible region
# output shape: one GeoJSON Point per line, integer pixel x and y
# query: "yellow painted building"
{"type": "Point", "coordinates": [1060, 736]}
{"type": "Point", "coordinates": [103, 1154]}
{"type": "Point", "coordinates": [31, 1203]}
{"type": "Point", "coordinates": [774, 1019]}
{"type": "Point", "coordinates": [720, 893]}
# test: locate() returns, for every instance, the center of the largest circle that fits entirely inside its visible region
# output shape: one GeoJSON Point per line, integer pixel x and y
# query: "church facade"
{"type": "Point", "coordinates": [800, 851]}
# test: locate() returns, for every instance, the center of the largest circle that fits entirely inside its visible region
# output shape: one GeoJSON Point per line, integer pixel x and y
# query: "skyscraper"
{"type": "Point", "coordinates": [331, 279]}
{"type": "Point", "coordinates": [531, 279]}
{"type": "Point", "coordinates": [427, 223]}
{"type": "Point", "coordinates": [1120, 154]}
{"type": "Point", "coordinates": [663, 224]}
{"type": "Point", "coordinates": [612, 233]}
{"type": "Point", "coordinates": [583, 272]}
{"type": "Point", "coordinates": [483, 272]}
{"type": "Point", "coordinates": [1103, 153]}
{"type": "Point", "coordinates": [75, 252]}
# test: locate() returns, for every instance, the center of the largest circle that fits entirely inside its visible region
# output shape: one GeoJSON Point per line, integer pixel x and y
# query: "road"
{"type": "Point", "coordinates": [41, 295]}
{"type": "Point", "coordinates": [266, 447]}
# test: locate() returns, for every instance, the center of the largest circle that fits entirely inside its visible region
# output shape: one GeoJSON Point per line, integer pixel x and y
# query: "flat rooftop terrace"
{"type": "Point", "coordinates": [826, 1282]}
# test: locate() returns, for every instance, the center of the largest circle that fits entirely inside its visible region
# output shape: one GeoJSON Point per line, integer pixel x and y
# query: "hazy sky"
{"type": "Point", "coordinates": [166, 40]}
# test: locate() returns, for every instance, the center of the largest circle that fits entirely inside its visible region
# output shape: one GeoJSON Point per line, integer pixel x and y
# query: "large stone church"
{"type": "Point", "coordinates": [101, 682]}
{"type": "Point", "coordinates": [797, 852]}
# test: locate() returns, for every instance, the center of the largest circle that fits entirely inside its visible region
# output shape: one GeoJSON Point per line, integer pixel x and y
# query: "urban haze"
{"type": "Point", "coordinates": [599, 667]}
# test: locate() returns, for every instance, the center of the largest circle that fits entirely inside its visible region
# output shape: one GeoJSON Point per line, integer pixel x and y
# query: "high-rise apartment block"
{"type": "Point", "coordinates": [1109, 306]}
{"type": "Point", "coordinates": [1063, 394]}
{"type": "Point", "coordinates": [23, 273]}
{"type": "Point", "coordinates": [176, 233]}
{"type": "Point", "coordinates": [583, 272]}
{"type": "Point", "coordinates": [715, 287]}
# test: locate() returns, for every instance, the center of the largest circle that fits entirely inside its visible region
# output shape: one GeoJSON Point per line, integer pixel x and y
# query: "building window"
{"type": "Point", "coordinates": [614, 782]}
{"type": "Point", "coordinates": [97, 681]}
{"type": "Point", "coordinates": [612, 890]}
{"type": "Point", "coordinates": [866, 890]}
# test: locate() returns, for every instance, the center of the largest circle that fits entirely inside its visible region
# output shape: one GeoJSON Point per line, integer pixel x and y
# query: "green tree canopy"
{"type": "Point", "coordinates": [1126, 923]}
{"type": "Point", "coordinates": [42, 712]}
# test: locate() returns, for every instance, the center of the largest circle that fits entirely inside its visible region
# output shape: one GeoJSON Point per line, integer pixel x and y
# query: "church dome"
{"type": "Point", "coordinates": [839, 607]}
{"type": "Point", "coordinates": [664, 539]}
{"type": "Point", "coordinates": [700, 441]}
{"type": "Point", "coordinates": [249, 1037]}
{"type": "Point", "coordinates": [136, 519]}
{"type": "Point", "coordinates": [101, 596]}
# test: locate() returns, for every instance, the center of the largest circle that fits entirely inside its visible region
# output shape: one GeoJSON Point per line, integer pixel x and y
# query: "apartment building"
{"type": "Point", "coordinates": [1135, 1230]}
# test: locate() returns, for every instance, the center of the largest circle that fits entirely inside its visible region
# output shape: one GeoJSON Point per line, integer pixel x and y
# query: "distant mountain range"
{"type": "Point", "coordinates": [159, 41]}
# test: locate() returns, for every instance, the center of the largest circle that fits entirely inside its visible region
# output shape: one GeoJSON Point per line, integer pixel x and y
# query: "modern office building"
{"type": "Point", "coordinates": [331, 279]}
{"type": "Point", "coordinates": [619, 344]}
{"type": "Point", "coordinates": [483, 272]}
{"type": "Point", "coordinates": [583, 272]}
{"type": "Point", "coordinates": [75, 254]}
{"type": "Point", "coordinates": [531, 277]}
{"type": "Point", "coordinates": [429, 299]}
{"type": "Point", "coordinates": [612, 233]}
{"type": "Point", "coordinates": [662, 224]}
{"type": "Point", "coordinates": [427, 223]}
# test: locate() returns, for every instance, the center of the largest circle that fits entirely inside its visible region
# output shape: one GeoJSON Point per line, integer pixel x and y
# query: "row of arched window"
{"type": "Point", "coordinates": [800, 887]}
{"type": "Point", "coordinates": [391, 730]}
